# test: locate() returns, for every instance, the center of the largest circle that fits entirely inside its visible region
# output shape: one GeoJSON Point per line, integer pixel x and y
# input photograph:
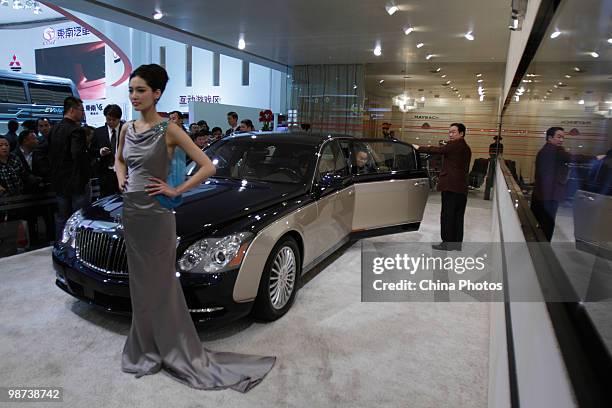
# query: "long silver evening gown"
{"type": "Point", "coordinates": [162, 335]}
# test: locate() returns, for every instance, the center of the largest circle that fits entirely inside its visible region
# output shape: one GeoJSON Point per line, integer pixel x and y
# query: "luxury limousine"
{"type": "Point", "coordinates": [278, 205]}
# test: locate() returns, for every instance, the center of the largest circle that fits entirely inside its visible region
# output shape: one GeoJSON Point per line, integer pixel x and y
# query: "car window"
{"type": "Point", "coordinates": [332, 161]}
{"type": "Point", "coordinates": [47, 94]}
{"type": "Point", "coordinates": [12, 92]}
{"type": "Point", "coordinates": [404, 157]}
{"type": "Point", "coordinates": [281, 162]}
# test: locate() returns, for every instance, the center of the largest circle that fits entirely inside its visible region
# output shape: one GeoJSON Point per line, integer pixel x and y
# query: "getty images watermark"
{"type": "Point", "coordinates": [416, 272]}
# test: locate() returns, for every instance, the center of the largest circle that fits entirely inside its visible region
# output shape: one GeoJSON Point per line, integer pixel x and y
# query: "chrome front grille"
{"type": "Point", "coordinates": [101, 251]}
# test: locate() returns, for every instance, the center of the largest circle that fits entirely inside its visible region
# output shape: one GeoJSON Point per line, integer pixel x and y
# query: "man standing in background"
{"type": "Point", "coordinates": [70, 170]}
{"type": "Point", "coordinates": [232, 121]}
{"type": "Point", "coordinates": [104, 147]}
{"type": "Point", "coordinates": [453, 183]}
{"type": "Point", "coordinates": [551, 175]}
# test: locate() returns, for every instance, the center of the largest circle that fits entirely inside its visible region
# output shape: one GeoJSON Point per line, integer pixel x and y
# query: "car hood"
{"type": "Point", "coordinates": [210, 205]}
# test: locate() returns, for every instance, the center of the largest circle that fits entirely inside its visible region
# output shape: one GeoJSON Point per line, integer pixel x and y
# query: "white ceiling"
{"type": "Point", "coordinates": [295, 32]}
{"type": "Point", "coordinates": [9, 15]}
{"type": "Point", "coordinates": [585, 26]}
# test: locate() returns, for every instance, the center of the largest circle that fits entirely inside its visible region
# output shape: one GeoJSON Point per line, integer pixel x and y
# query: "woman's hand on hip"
{"type": "Point", "coordinates": [160, 187]}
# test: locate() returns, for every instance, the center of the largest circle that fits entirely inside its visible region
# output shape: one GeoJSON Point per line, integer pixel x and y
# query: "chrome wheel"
{"type": "Point", "coordinates": [282, 277]}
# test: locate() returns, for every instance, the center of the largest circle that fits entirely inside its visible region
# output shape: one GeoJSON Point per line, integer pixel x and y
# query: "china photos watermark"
{"type": "Point", "coordinates": [488, 272]}
{"type": "Point", "coordinates": [416, 272]}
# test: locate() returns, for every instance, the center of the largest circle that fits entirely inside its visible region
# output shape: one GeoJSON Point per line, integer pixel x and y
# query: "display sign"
{"type": "Point", "coordinates": [185, 99]}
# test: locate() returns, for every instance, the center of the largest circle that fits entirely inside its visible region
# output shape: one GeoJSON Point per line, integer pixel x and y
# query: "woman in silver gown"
{"type": "Point", "coordinates": [162, 335]}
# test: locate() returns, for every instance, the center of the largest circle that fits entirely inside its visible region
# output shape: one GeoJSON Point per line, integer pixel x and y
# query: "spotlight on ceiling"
{"type": "Point", "coordinates": [377, 51]}
{"type": "Point", "coordinates": [381, 81]}
{"type": "Point", "coordinates": [581, 102]}
{"type": "Point", "coordinates": [609, 40]}
{"type": "Point", "coordinates": [438, 69]}
{"type": "Point", "coordinates": [479, 81]}
{"type": "Point", "coordinates": [241, 44]}
{"type": "Point", "coordinates": [568, 76]}
{"type": "Point", "coordinates": [429, 56]}
{"type": "Point", "coordinates": [419, 45]}
{"type": "Point", "coordinates": [577, 69]}
{"type": "Point", "coordinates": [555, 34]}
{"type": "Point", "coordinates": [391, 9]}
{"type": "Point", "coordinates": [469, 36]}
{"type": "Point", "coordinates": [408, 30]}
{"type": "Point", "coordinates": [443, 76]}
{"type": "Point", "coordinates": [478, 75]}
{"type": "Point", "coordinates": [158, 15]}
{"type": "Point", "coordinates": [594, 54]}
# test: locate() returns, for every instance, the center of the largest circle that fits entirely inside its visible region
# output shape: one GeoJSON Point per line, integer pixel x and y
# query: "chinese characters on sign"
{"type": "Point", "coordinates": [94, 108]}
{"type": "Point", "coordinates": [185, 99]}
{"type": "Point", "coordinates": [70, 32]}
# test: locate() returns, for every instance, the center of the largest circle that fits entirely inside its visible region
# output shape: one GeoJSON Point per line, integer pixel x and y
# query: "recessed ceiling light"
{"type": "Point", "coordinates": [478, 75]}
{"type": "Point", "coordinates": [408, 30]}
{"type": "Point", "coordinates": [479, 81]}
{"type": "Point", "coordinates": [447, 82]}
{"type": "Point", "coordinates": [391, 9]}
{"type": "Point", "coordinates": [609, 40]}
{"type": "Point", "coordinates": [438, 69]}
{"type": "Point", "coordinates": [469, 36]}
{"type": "Point", "coordinates": [559, 83]}
{"type": "Point", "coordinates": [577, 69]}
{"type": "Point", "coordinates": [354, 86]}
{"type": "Point", "coordinates": [581, 102]}
{"type": "Point", "coordinates": [555, 34]}
{"type": "Point", "coordinates": [568, 76]}
{"type": "Point", "coordinates": [443, 76]}
{"type": "Point", "coordinates": [381, 81]}
{"type": "Point", "coordinates": [419, 45]}
{"type": "Point", "coordinates": [422, 99]}
{"type": "Point", "coordinates": [377, 50]}
{"type": "Point", "coordinates": [241, 44]}
{"type": "Point", "coordinates": [157, 15]}
{"type": "Point", "coordinates": [593, 54]}
{"type": "Point", "coordinates": [555, 86]}
{"type": "Point", "coordinates": [429, 56]}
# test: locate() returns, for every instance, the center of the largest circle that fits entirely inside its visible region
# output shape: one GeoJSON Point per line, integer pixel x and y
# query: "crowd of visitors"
{"type": "Point", "coordinates": [74, 162]}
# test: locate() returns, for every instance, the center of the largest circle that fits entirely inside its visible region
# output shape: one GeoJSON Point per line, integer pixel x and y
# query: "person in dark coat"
{"type": "Point", "coordinates": [104, 147]}
{"type": "Point", "coordinates": [70, 167]}
{"type": "Point", "coordinates": [11, 135]}
{"type": "Point", "coordinates": [551, 175]}
{"type": "Point", "coordinates": [453, 183]}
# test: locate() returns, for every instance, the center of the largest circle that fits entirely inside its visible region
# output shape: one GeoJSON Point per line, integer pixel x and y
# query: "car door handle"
{"type": "Point", "coordinates": [420, 183]}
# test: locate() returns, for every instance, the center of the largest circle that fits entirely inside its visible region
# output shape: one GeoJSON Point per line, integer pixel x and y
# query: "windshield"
{"type": "Point", "coordinates": [255, 160]}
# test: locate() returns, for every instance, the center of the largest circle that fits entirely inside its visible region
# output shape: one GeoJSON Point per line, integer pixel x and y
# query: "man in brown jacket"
{"type": "Point", "coordinates": [453, 183]}
{"type": "Point", "coordinates": [551, 175]}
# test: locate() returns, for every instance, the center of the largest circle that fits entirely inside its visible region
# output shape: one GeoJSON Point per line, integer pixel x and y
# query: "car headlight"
{"type": "Point", "coordinates": [210, 255]}
{"type": "Point", "coordinates": [70, 228]}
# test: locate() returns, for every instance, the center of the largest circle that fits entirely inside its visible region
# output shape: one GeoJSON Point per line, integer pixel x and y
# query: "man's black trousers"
{"type": "Point", "coordinates": [451, 218]}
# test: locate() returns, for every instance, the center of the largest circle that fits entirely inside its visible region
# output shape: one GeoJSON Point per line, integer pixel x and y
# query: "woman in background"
{"type": "Point", "coordinates": [162, 334]}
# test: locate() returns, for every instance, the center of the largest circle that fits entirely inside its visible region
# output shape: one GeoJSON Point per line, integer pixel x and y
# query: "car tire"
{"type": "Point", "coordinates": [284, 266]}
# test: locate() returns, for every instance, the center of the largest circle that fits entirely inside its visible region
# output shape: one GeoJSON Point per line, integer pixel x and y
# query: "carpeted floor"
{"type": "Point", "coordinates": [333, 350]}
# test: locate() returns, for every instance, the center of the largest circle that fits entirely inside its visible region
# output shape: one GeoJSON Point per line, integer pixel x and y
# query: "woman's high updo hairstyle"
{"type": "Point", "coordinates": [154, 75]}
